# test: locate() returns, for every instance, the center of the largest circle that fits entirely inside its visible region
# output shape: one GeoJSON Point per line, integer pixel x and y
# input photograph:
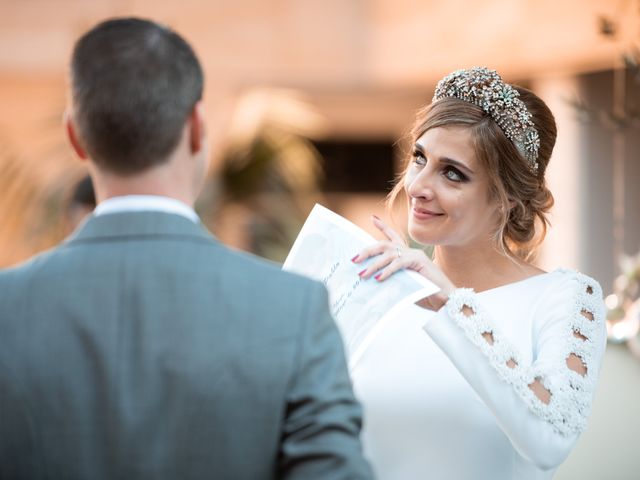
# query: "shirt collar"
{"type": "Point", "coordinates": [139, 203]}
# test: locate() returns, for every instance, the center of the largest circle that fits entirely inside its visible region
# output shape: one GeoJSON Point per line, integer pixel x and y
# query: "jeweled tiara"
{"type": "Point", "coordinates": [485, 88]}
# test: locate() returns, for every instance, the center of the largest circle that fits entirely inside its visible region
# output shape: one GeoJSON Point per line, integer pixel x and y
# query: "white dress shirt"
{"type": "Point", "coordinates": [145, 203]}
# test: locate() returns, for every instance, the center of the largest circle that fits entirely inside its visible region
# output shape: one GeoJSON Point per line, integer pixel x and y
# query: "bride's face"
{"type": "Point", "coordinates": [448, 191]}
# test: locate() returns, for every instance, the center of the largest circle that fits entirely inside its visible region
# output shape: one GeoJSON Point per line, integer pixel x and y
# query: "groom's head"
{"type": "Point", "coordinates": [134, 84]}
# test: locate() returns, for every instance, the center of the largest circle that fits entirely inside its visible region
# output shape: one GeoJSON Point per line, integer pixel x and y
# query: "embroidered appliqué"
{"type": "Point", "coordinates": [571, 392]}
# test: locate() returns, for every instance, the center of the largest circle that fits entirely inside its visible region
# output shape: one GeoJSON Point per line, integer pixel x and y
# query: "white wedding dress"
{"type": "Point", "coordinates": [441, 402]}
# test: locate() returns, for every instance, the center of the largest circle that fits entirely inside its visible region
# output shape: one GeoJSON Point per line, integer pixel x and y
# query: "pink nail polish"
{"type": "Point", "coordinates": [355, 258]}
{"type": "Point", "coordinates": [377, 277]}
{"type": "Point", "coordinates": [362, 272]}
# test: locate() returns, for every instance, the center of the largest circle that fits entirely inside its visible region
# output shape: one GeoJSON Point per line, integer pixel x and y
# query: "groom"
{"type": "Point", "coordinates": [143, 348]}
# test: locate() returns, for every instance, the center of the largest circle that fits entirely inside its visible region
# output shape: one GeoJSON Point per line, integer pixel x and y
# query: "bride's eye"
{"type": "Point", "coordinates": [455, 175]}
{"type": "Point", "coordinates": [418, 158]}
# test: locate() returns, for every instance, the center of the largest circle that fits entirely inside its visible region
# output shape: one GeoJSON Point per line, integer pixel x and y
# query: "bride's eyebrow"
{"type": "Point", "coordinates": [447, 160]}
{"type": "Point", "coordinates": [456, 163]}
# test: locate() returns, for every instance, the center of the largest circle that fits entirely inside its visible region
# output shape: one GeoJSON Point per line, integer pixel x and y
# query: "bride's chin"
{"type": "Point", "coordinates": [420, 236]}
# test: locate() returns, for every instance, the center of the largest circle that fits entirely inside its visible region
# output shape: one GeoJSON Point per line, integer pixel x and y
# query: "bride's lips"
{"type": "Point", "coordinates": [424, 214]}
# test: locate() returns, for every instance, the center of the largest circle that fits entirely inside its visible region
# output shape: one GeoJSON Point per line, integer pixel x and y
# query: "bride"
{"type": "Point", "coordinates": [492, 377]}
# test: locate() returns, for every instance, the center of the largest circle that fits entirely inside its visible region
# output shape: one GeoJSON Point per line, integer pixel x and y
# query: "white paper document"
{"type": "Point", "coordinates": [323, 251]}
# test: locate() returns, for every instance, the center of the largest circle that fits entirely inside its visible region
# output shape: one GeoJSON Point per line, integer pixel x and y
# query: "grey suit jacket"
{"type": "Point", "coordinates": [142, 348]}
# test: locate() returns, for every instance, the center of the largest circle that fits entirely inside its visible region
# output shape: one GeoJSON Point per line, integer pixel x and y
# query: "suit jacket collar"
{"type": "Point", "coordinates": [138, 224]}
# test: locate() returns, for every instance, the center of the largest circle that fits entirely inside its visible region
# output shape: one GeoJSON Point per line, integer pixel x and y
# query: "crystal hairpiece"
{"type": "Point", "coordinates": [485, 88]}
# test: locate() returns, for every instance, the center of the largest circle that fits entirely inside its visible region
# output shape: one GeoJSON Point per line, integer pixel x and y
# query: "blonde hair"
{"type": "Point", "coordinates": [522, 195]}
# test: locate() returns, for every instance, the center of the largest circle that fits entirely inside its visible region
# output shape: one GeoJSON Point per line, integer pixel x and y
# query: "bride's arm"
{"type": "Point", "coordinates": [542, 407]}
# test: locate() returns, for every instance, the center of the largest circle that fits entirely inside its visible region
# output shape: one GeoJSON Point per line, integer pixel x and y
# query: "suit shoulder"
{"type": "Point", "coordinates": [27, 267]}
{"type": "Point", "coordinates": [15, 281]}
{"type": "Point", "coordinates": [278, 294]}
{"type": "Point", "coordinates": [248, 264]}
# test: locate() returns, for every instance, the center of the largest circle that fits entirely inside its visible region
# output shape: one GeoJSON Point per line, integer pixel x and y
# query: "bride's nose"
{"type": "Point", "coordinates": [420, 186]}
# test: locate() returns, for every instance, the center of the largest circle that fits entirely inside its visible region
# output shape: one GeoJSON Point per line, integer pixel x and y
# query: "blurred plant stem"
{"type": "Point", "coordinates": [266, 187]}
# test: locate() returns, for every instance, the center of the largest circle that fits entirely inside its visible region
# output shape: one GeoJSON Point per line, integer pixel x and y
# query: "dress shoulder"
{"type": "Point", "coordinates": [591, 286]}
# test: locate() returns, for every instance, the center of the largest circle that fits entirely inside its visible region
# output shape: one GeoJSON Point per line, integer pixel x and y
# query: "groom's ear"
{"type": "Point", "coordinates": [73, 137]}
{"type": "Point", "coordinates": [197, 128]}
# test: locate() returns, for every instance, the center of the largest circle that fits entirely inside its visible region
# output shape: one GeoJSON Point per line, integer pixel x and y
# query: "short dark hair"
{"type": "Point", "coordinates": [133, 83]}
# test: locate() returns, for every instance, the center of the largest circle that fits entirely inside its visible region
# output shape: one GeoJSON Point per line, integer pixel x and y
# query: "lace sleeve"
{"type": "Point", "coordinates": [568, 347]}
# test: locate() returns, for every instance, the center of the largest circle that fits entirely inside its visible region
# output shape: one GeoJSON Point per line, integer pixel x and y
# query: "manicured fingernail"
{"type": "Point", "coordinates": [377, 277]}
{"type": "Point", "coordinates": [362, 272]}
{"type": "Point", "coordinates": [355, 258]}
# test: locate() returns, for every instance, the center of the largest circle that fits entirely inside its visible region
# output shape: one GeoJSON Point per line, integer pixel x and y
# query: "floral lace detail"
{"type": "Point", "coordinates": [571, 393]}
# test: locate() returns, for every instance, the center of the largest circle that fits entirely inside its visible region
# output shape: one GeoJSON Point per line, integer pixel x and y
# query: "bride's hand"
{"type": "Point", "coordinates": [392, 255]}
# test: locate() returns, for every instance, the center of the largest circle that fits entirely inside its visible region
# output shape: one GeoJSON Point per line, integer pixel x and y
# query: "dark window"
{"type": "Point", "coordinates": [352, 166]}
